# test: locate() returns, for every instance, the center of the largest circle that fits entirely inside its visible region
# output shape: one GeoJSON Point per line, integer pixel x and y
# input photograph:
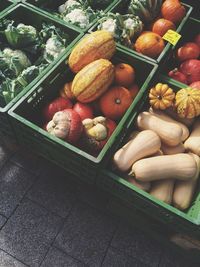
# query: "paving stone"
{"type": "Point", "coordinates": [5, 153]}
{"type": "Point", "coordinates": [114, 258]}
{"type": "Point", "coordinates": [54, 191]}
{"type": "Point", "coordinates": [92, 196]}
{"type": "Point", "coordinates": [56, 258]}
{"type": "Point", "coordinates": [14, 183]}
{"type": "Point", "coordinates": [29, 232]}
{"type": "Point", "coordinates": [8, 261]}
{"type": "Point", "coordinates": [135, 243]}
{"type": "Point", "coordinates": [2, 220]}
{"type": "Point", "coordinates": [86, 235]}
{"type": "Point", "coordinates": [28, 160]}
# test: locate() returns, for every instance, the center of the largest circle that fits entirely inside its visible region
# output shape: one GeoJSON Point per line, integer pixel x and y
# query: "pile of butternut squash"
{"type": "Point", "coordinates": [162, 157]}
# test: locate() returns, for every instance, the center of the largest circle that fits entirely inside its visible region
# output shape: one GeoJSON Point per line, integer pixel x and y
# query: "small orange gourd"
{"type": "Point", "coordinates": [161, 96]}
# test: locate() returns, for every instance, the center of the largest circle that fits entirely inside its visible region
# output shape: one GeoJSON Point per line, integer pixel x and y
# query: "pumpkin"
{"type": "Point", "coordinates": [173, 10]}
{"type": "Point", "coordinates": [66, 125]}
{"type": "Point", "coordinates": [99, 44]}
{"type": "Point", "coordinates": [124, 74]}
{"type": "Point", "coordinates": [188, 102]}
{"type": "Point", "coordinates": [93, 80]}
{"type": "Point", "coordinates": [161, 96]}
{"type": "Point", "coordinates": [150, 44]}
{"type": "Point", "coordinates": [161, 26]}
{"type": "Point", "coordinates": [115, 102]}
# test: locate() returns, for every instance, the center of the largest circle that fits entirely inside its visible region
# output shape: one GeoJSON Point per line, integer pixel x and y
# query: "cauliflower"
{"type": "Point", "coordinates": [78, 17]}
{"type": "Point", "coordinates": [13, 62]}
{"type": "Point", "coordinates": [68, 4]}
{"type": "Point", "coordinates": [53, 48]}
{"type": "Point", "coordinates": [109, 25]}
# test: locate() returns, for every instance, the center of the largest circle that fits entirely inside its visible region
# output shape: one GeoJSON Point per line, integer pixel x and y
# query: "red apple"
{"type": "Point", "coordinates": [56, 105]}
{"type": "Point", "coordinates": [84, 110]}
{"type": "Point", "coordinates": [197, 40]}
{"type": "Point", "coordinates": [195, 85]}
{"type": "Point", "coordinates": [191, 68]}
{"type": "Point", "coordinates": [178, 76]}
{"type": "Point", "coordinates": [188, 51]}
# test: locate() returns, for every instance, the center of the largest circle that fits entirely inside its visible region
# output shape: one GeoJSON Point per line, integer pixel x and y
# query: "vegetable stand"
{"type": "Point", "coordinates": [36, 19]}
{"type": "Point", "coordinates": [121, 9]}
{"type": "Point", "coordinates": [82, 15]}
{"type": "Point", "coordinates": [187, 221]}
{"type": "Point", "coordinates": [29, 132]}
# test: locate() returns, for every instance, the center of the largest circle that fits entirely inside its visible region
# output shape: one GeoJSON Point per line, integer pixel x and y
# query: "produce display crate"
{"type": "Point", "coordinates": [27, 15]}
{"type": "Point", "coordinates": [188, 32]}
{"type": "Point", "coordinates": [56, 150]}
{"type": "Point", "coordinates": [121, 8]}
{"type": "Point", "coordinates": [5, 5]}
{"type": "Point", "coordinates": [188, 221]}
{"type": "Point", "coordinates": [51, 8]}
{"type": "Point", "coordinates": [195, 4]}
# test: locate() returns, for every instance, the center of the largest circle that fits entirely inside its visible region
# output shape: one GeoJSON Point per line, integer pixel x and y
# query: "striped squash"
{"type": "Point", "coordinates": [99, 44]}
{"type": "Point", "coordinates": [93, 80]}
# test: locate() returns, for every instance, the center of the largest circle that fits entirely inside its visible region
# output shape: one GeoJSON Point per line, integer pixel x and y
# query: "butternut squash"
{"type": "Point", "coordinates": [142, 185]}
{"type": "Point", "coordinates": [180, 166]}
{"type": "Point", "coordinates": [144, 144]}
{"type": "Point", "coordinates": [164, 116]}
{"type": "Point", "coordinates": [163, 190]}
{"type": "Point", "coordinates": [193, 142]}
{"type": "Point", "coordinates": [170, 133]}
{"type": "Point", "coordinates": [171, 150]}
{"type": "Point", "coordinates": [172, 113]}
{"type": "Point", "coordinates": [184, 190]}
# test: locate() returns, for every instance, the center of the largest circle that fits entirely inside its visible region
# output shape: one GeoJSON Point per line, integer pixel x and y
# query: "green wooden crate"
{"type": "Point", "coordinates": [50, 8]}
{"type": "Point", "coordinates": [188, 221]}
{"type": "Point", "coordinates": [5, 5]}
{"type": "Point", "coordinates": [28, 15]}
{"type": "Point", "coordinates": [67, 156]}
{"type": "Point", "coordinates": [121, 8]}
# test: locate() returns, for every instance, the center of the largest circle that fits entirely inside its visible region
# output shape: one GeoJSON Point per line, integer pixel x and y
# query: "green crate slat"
{"type": "Point", "coordinates": [5, 5]}
{"type": "Point", "coordinates": [121, 8]}
{"type": "Point", "coordinates": [46, 7]}
{"type": "Point", "coordinates": [190, 30]}
{"type": "Point", "coordinates": [27, 15]}
{"type": "Point", "coordinates": [167, 214]}
{"type": "Point", "coordinates": [62, 153]}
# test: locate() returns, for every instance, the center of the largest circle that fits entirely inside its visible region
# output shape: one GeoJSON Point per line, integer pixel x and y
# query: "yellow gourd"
{"type": "Point", "coordinates": [188, 102]}
{"type": "Point", "coordinates": [161, 96]}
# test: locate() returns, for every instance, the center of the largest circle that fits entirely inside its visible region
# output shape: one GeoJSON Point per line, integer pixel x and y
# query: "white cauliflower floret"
{"type": "Point", "coordinates": [78, 16]}
{"type": "Point", "coordinates": [129, 23]}
{"type": "Point", "coordinates": [54, 47]}
{"type": "Point", "coordinates": [109, 25]}
{"type": "Point", "coordinates": [66, 5]}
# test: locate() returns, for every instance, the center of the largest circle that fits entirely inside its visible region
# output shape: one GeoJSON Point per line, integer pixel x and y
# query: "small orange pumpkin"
{"type": "Point", "coordinates": [115, 102]}
{"type": "Point", "coordinates": [161, 26]}
{"type": "Point", "coordinates": [173, 10]}
{"type": "Point", "coordinates": [150, 44]}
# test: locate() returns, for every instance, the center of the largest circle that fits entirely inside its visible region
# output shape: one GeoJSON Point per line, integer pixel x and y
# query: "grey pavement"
{"type": "Point", "coordinates": [50, 219]}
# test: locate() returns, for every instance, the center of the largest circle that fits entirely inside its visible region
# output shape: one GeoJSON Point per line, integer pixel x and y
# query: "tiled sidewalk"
{"type": "Point", "coordinates": [47, 219]}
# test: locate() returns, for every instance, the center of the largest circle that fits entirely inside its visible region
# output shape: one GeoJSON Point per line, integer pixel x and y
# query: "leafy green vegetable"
{"type": "Point", "coordinates": [124, 28]}
{"type": "Point", "coordinates": [20, 36]}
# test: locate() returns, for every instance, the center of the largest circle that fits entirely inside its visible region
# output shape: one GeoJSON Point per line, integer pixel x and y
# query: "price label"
{"type": "Point", "coordinates": [172, 37]}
